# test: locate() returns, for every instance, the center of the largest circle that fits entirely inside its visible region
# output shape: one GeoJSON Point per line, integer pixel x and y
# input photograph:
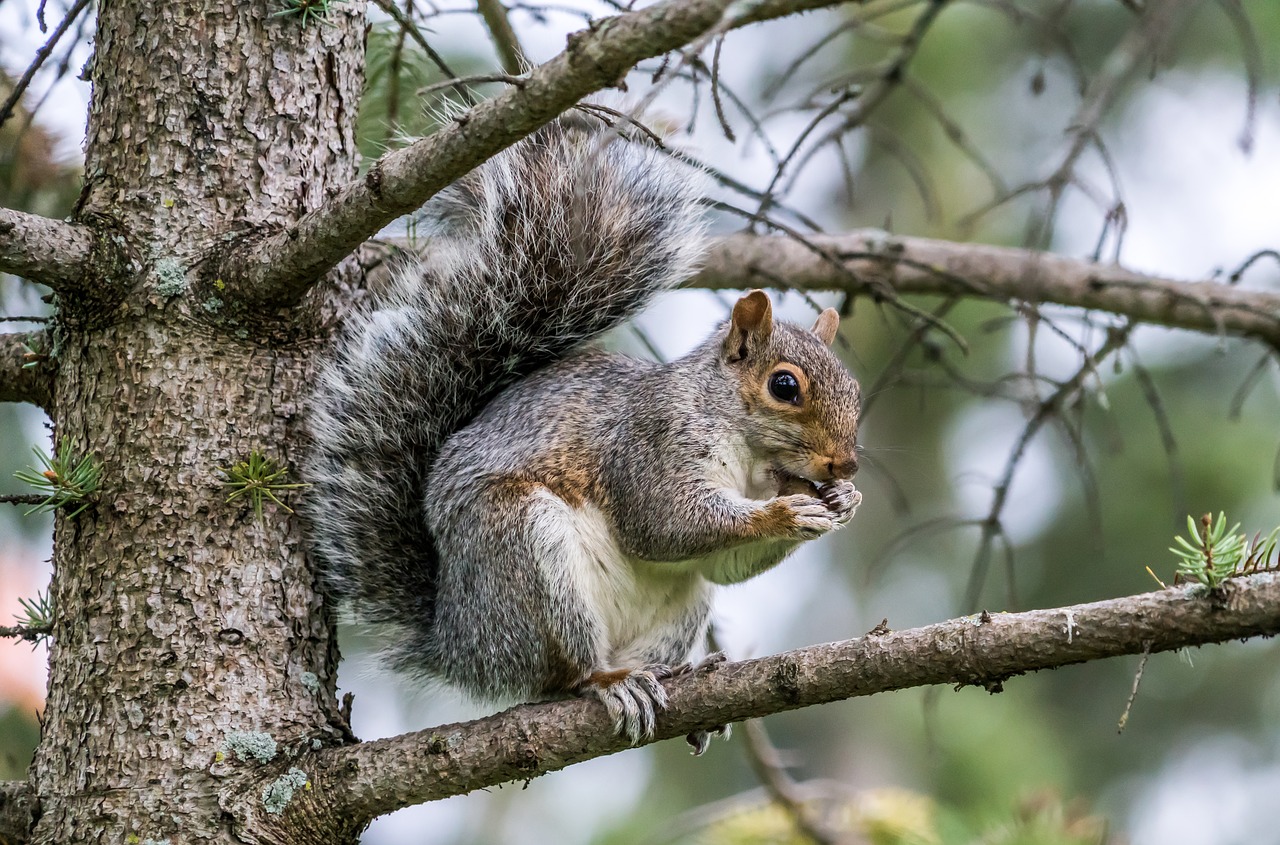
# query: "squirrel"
{"type": "Point", "coordinates": [524, 519]}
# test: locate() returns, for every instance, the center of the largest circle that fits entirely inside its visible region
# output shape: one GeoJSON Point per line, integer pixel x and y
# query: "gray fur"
{"type": "Point", "coordinates": [526, 521]}
{"type": "Point", "coordinates": [544, 246]}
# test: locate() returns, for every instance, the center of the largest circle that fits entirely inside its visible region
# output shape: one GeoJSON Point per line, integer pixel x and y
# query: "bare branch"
{"type": "Point", "coordinates": [1047, 409]}
{"type": "Point", "coordinates": [867, 262]}
{"type": "Point", "coordinates": [43, 250]}
{"type": "Point", "coordinates": [17, 812]}
{"type": "Point", "coordinates": [280, 268]}
{"type": "Point", "coordinates": [26, 373]}
{"type": "Point", "coordinates": [504, 37]}
{"type": "Point", "coordinates": [20, 87]}
{"type": "Point", "coordinates": [1143, 44]}
{"type": "Point", "coordinates": [359, 782]}
{"type": "Point", "coordinates": [767, 763]}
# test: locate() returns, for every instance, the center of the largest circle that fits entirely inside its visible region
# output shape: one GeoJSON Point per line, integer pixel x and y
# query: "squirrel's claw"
{"type": "Point", "coordinates": [710, 663]}
{"type": "Point", "coordinates": [701, 740]}
{"type": "Point", "coordinates": [842, 498]}
{"type": "Point", "coordinates": [633, 699]}
{"type": "Point", "coordinates": [805, 516]}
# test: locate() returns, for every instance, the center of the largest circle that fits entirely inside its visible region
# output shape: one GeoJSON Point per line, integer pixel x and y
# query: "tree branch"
{"type": "Point", "coordinates": [26, 373]}
{"type": "Point", "coordinates": [277, 270]}
{"type": "Point", "coordinates": [17, 812]}
{"type": "Point", "coordinates": [504, 37]}
{"type": "Point", "coordinates": [43, 250]}
{"type": "Point", "coordinates": [359, 782]}
{"type": "Point", "coordinates": [863, 263]}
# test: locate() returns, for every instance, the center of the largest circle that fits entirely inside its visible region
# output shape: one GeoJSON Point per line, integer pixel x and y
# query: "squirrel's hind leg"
{"type": "Point", "coordinates": [510, 621]}
{"type": "Point", "coordinates": [635, 696]}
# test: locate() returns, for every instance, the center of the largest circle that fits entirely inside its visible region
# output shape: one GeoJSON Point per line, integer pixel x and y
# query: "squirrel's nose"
{"type": "Point", "coordinates": [844, 466]}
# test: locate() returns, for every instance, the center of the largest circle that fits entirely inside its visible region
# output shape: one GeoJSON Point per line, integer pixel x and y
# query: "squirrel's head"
{"type": "Point", "coordinates": [802, 404]}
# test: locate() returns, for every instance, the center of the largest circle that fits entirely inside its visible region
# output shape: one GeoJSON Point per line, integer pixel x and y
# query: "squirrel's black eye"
{"type": "Point", "coordinates": [784, 387]}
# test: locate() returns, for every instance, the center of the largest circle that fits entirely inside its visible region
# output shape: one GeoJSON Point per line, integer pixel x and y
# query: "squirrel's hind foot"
{"type": "Point", "coordinates": [633, 697]}
{"type": "Point", "coordinates": [701, 740]}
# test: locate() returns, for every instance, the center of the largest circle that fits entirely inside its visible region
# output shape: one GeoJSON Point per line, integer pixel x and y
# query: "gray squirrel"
{"type": "Point", "coordinates": [524, 519]}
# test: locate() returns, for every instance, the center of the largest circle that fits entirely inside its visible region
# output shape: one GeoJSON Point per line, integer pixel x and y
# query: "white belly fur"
{"type": "Point", "coordinates": [638, 600]}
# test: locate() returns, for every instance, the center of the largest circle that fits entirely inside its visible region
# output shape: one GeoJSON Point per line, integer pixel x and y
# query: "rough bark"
{"type": "Point", "coordinates": [873, 262]}
{"type": "Point", "coordinates": [17, 807]}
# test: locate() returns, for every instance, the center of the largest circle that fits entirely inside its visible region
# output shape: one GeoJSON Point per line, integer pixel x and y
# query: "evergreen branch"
{"type": "Point", "coordinates": [43, 250]}
{"type": "Point", "coordinates": [26, 370]}
{"type": "Point", "coordinates": [17, 812]}
{"type": "Point", "coordinates": [354, 784]}
{"type": "Point", "coordinates": [278, 270]}
{"type": "Point", "coordinates": [867, 262]}
{"type": "Point", "coordinates": [66, 481]}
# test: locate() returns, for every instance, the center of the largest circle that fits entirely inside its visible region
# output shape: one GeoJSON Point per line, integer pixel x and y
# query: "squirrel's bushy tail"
{"type": "Point", "coordinates": [558, 238]}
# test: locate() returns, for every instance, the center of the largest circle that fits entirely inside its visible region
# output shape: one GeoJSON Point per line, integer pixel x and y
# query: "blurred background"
{"type": "Point", "coordinates": [1179, 176]}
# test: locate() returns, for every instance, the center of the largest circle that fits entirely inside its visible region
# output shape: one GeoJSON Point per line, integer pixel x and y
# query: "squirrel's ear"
{"type": "Point", "coordinates": [750, 326]}
{"type": "Point", "coordinates": [827, 326]}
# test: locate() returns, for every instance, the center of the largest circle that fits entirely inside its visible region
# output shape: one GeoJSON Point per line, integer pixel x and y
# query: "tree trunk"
{"type": "Point", "coordinates": [191, 619]}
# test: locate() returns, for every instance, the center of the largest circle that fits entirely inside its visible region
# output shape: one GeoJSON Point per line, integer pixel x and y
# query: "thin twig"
{"type": "Point", "coordinates": [20, 87]}
{"type": "Point", "coordinates": [411, 28]}
{"type": "Point", "coordinates": [30, 633]}
{"type": "Point", "coordinates": [510, 53]}
{"type": "Point", "coordinates": [1235, 12]}
{"type": "Point", "coordinates": [461, 82]}
{"type": "Point", "coordinates": [1133, 693]}
{"type": "Point", "coordinates": [1045, 410]}
{"type": "Point", "coordinates": [21, 499]}
{"type": "Point", "coordinates": [1150, 33]}
{"type": "Point", "coordinates": [766, 762]}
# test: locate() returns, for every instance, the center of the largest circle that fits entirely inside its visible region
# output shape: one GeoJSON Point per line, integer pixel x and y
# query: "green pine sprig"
{"type": "Point", "coordinates": [307, 11]}
{"type": "Point", "coordinates": [1211, 553]}
{"type": "Point", "coordinates": [37, 613]}
{"type": "Point", "coordinates": [64, 480]}
{"type": "Point", "coordinates": [258, 479]}
{"type": "Point", "coordinates": [33, 356]}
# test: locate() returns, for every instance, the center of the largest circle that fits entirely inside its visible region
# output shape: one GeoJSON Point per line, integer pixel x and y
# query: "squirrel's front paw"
{"type": "Point", "coordinates": [802, 517]}
{"type": "Point", "coordinates": [633, 697]}
{"type": "Point", "coordinates": [842, 498]}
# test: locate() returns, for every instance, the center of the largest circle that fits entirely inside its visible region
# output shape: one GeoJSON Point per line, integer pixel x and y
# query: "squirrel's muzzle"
{"type": "Point", "coordinates": [843, 466]}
